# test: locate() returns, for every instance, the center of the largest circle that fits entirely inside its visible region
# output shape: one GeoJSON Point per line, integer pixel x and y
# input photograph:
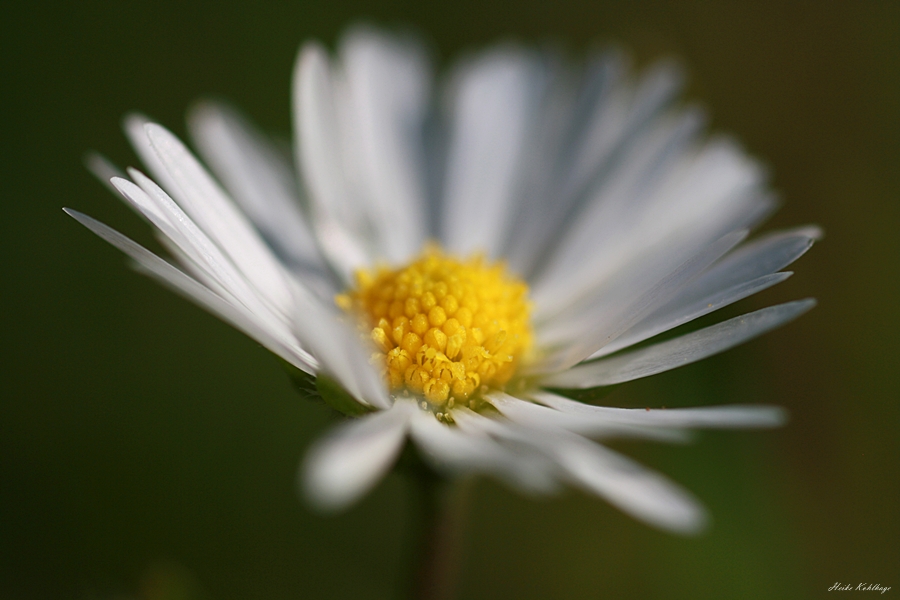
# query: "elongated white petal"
{"type": "Point", "coordinates": [173, 223]}
{"type": "Point", "coordinates": [258, 177]}
{"type": "Point", "coordinates": [714, 417]}
{"type": "Point", "coordinates": [617, 310]}
{"type": "Point", "coordinates": [619, 113]}
{"type": "Point", "coordinates": [143, 205]}
{"type": "Point", "coordinates": [235, 315]}
{"type": "Point", "coordinates": [668, 203]}
{"type": "Point", "coordinates": [336, 347]}
{"type": "Point", "coordinates": [215, 213]}
{"type": "Point", "coordinates": [743, 272]}
{"type": "Point", "coordinates": [618, 118]}
{"type": "Point", "coordinates": [197, 271]}
{"type": "Point", "coordinates": [627, 485]}
{"type": "Point", "coordinates": [346, 463]}
{"type": "Point", "coordinates": [339, 349]}
{"type": "Point", "coordinates": [752, 260]}
{"type": "Point", "coordinates": [493, 100]}
{"type": "Point", "coordinates": [624, 483]}
{"type": "Point", "coordinates": [590, 424]}
{"type": "Point", "coordinates": [135, 129]}
{"type": "Point", "coordinates": [459, 450]}
{"type": "Point", "coordinates": [670, 316]}
{"type": "Point", "coordinates": [156, 205]}
{"type": "Point", "coordinates": [199, 209]}
{"type": "Point", "coordinates": [679, 351]}
{"type": "Point", "coordinates": [340, 222]}
{"type": "Point", "coordinates": [526, 467]}
{"type": "Point", "coordinates": [388, 90]}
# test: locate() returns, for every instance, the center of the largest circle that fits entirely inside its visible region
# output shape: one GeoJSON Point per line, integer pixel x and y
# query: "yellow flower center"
{"type": "Point", "coordinates": [446, 329]}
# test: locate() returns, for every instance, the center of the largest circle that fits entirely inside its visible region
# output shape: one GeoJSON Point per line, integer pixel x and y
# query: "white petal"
{"type": "Point", "coordinates": [743, 272]}
{"type": "Point", "coordinates": [459, 450]}
{"type": "Point", "coordinates": [626, 484]}
{"type": "Point", "coordinates": [142, 204]}
{"type": "Point", "coordinates": [339, 349]}
{"type": "Point", "coordinates": [493, 101]}
{"type": "Point", "coordinates": [679, 351]}
{"type": "Point", "coordinates": [173, 223]}
{"type": "Point", "coordinates": [449, 448]}
{"type": "Point", "coordinates": [135, 129]}
{"type": "Point", "coordinates": [215, 213]}
{"type": "Point", "coordinates": [608, 117]}
{"type": "Point", "coordinates": [595, 425]}
{"type": "Point", "coordinates": [349, 460]}
{"type": "Point", "coordinates": [198, 272]}
{"type": "Point", "coordinates": [259, 178]}
{"type": "Point", "coordinates": [512, 460]}
{"type": "Point", "coordinates": [613, 311]}
{"type": "Point", "coordinates": [606, 228]}
{"type": "Point", "coordinates": [388, 89]}
{"type": "Point", "coordinates": [667, 203]}
{"type": "Point", "coordinates": [675, 313]}
{"type": "Point", "coordinates": [535, 221]}
{"type": "Point", "coordinates": [760, 257]}
{"type": "Point", "coordinates": [339, 221]}
{"type": "Point", "coordinates": [718, 417]}
{"type": "Point", "coordinates": [233, 314]}
{"type": "Point", "coordinates": [620, 113]}
{"type": "Point", "coordinates": [212, 212]}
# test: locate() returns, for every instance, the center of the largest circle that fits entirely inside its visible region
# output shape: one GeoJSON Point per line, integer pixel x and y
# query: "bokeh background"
{"type": "Point", "coordinates": [148, 451]}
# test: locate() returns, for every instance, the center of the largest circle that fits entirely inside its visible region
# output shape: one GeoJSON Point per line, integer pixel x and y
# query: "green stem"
{"type": "Point", "coordinates": [437, 536]}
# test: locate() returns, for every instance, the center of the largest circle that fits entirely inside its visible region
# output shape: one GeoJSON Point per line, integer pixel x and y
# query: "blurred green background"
{"type": "Point", "coordinates": [149, 451]}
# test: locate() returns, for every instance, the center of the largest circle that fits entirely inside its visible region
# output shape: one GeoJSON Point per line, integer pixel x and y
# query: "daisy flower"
{"type": "Point", "coordinates": [453, 261]}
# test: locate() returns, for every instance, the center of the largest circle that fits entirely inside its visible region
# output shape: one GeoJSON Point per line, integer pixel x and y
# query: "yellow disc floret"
{"type": "Point", "coordinates": [446, 329]}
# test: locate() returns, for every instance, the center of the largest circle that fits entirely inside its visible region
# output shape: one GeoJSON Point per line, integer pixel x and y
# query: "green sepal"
{"type": "Point", "coordinates": [302, 382]}
{"type": "Point", "coordinates": [337, 397]}
{"type": "Point", "coordinates": [321, 388]}
{"type": "Point", "coordinates": [587, 395]}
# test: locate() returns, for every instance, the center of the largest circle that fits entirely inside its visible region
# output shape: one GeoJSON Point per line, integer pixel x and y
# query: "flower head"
{"type": "Point", "coordinates": [453, 260]}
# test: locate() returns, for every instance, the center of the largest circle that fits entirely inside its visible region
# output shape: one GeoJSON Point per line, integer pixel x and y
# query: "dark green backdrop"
{"type": "Point", "coordinates": [147, 450]}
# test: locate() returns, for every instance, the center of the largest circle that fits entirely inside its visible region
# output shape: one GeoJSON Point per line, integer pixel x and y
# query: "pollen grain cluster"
{"type": "Point", "coordinates": [445, 328]}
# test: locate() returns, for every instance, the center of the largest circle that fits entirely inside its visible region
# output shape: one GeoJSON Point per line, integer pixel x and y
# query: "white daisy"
{"type": "Point", "coordinates": [376, 268]}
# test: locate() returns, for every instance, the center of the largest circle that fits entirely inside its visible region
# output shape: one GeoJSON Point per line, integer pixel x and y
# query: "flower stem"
{"type": "Point", "coordinates": [436, 536]}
